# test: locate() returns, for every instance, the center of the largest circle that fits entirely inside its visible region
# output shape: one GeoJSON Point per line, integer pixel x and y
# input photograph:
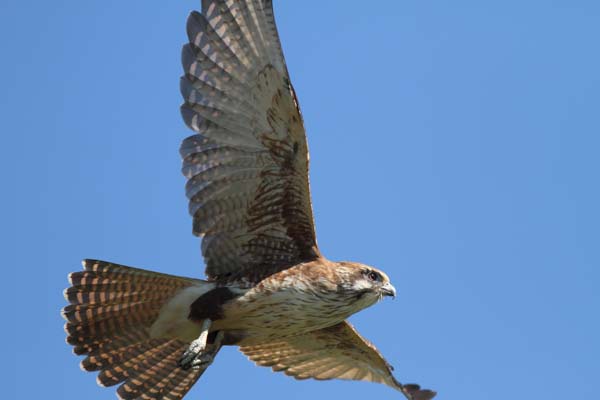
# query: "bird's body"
{"type": "Point", "coordinates": [304, 298]}
{"type": "Point", "coordinates": [301, 299]}
{"type": "Point", "coordinates": [269, 290]}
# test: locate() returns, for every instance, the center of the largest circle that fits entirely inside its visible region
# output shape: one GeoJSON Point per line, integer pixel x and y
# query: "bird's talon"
{"type": "Point", "coordinates": [202, 361]}
{"type": "Point", "coordinates": [196, 347]}
{"type": "Point", "coordinates": [195, 360]}
{"type": "Point", "coordinates": [193, 352]}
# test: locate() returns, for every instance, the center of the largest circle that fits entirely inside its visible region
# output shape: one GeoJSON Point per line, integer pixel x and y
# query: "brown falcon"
{"type": "Point", "coordinates": [268, 288]}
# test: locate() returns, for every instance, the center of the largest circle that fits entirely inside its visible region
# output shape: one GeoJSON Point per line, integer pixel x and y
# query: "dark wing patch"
{"type": "Point", "coordinates": [247, 166]}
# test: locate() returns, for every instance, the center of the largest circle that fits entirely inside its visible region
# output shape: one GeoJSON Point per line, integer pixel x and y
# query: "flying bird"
{"type": "Point", "coordinates": [268, 288]}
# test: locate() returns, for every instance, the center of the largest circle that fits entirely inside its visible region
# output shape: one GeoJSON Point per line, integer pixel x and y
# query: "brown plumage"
{"type": "Point", "coordinates": [112, 308]}
{"type": "Point", "coordinates": [336, 352]}
{"type": "Point", "coordinates": [269, 289]}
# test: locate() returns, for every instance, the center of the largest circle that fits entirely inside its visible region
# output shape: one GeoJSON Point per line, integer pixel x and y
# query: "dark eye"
{"type": "Point", "coordinates": [374, 276]}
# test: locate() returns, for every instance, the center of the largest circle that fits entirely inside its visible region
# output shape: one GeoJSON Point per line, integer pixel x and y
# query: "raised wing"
{"type": "Point", "coordinates": [247, 166]}
{"type": "Point", "coordinates": [338, 352]}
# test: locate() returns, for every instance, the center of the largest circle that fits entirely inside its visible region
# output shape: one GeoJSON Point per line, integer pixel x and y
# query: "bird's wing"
{"type": "Point", "coordinates": [247, 164]}
{"type": "Point", "coordinates": [338, 352]}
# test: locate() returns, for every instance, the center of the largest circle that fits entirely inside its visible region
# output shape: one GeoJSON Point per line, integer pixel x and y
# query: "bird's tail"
{"type": "Point", "coordinates": [109, 318]}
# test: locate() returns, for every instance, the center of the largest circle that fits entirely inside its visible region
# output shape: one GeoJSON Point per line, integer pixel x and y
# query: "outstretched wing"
{"type": "Point", "coordinates": [247, 165]}
{"type": "Point", "coordinates": [338, 352]}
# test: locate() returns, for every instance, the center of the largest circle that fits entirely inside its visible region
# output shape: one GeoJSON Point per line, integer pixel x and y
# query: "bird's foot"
{"type": "Point", "coordinates": [193, 354]}
{"type": "Point", "coordinates": [197, 348]}
{"type": "Point", "coordinates": [203, 361]}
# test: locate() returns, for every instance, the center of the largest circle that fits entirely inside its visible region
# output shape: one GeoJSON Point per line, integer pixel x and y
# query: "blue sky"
{"type": "Point", "coordinates": [453, 145]}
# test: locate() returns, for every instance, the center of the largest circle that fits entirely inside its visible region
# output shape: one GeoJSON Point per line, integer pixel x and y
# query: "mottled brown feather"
{"type": "Point", "coordinates": [247, 166]}
{"type": "Point", "coordinates": [157, 375]}
{"type": "Point", "coordinates": [108, 320]}
{"type": "Point", "coordinates": [337, 352]}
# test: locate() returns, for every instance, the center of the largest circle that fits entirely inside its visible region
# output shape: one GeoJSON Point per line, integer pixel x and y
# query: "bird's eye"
{"type": "Point", "coordinates": [374, 276]}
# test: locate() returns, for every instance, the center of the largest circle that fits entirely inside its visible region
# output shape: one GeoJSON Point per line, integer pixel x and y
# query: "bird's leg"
{"type": "Point", "coordinates": [205, 359]}
{"type": "Point", "coordinates": [196, 348]}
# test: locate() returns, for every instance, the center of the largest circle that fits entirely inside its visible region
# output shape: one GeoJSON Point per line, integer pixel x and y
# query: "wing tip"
{"type": "Point", "coordinates": [414, 392]}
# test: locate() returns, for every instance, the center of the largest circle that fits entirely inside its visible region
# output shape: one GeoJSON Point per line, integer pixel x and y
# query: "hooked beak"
{"type": "Point", "coordinates": [388, 290]}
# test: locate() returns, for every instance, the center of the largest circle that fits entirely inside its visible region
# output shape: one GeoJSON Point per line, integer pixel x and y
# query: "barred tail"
{"type": "Point", "coordinates": [111, 310]}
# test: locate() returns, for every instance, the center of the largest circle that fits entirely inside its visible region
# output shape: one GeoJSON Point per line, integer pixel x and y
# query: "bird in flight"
{"type": "Point", "coordinates": [268, 290]}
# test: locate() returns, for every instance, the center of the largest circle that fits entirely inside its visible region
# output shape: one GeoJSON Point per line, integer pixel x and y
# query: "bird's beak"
{"type": "Point", "coordinates": [388, 290]}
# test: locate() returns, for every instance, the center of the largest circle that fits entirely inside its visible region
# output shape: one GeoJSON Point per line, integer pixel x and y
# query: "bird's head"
{"type": "Point", "coordinates": [364, 283]}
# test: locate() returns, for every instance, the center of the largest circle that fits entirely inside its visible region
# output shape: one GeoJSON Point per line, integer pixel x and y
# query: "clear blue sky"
{"type": "Point", "coordinates": [454, 145]}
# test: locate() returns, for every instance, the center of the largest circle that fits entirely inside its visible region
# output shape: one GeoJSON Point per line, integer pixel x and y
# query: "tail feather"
{"type": "Point", "coordinates": [117, 292]}
{"type": "Point", "coordinates": [143, 357]}
{"type": "Point", "coordinates": [114, 341]}
{"type": "Point", "coordinates": [161, 382]}
{"type": "Point", "coordinates": [169, 383]}
{"type": "Point", "coordinates": [78, 314]}
{"type": "Point", "coordinates": [111, 310]}
{"type": "Point", "coordinates": [108, 333]}
{"type": "Point", "coordinates": [108, 358]}
{"type": "Point", "coordinates": [154, 366]}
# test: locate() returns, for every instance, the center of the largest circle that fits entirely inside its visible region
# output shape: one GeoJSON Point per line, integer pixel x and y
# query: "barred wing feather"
{"type": "Point", "coordinates": [337, 352]}
{"type": "Point", "coordinates": [247, 164]}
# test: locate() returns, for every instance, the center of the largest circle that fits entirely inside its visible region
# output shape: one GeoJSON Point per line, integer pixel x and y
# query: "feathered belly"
{"type": "Point", "coordinates": [289, 311]}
